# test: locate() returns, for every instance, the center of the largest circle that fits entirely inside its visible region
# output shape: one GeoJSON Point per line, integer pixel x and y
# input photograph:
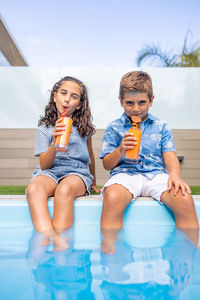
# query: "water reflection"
{"type": "Point", "coordinates": [151, 264]}
{"type": "Point", "coordinates": [147, 263]}
{"type": "Point", "coordinates": [59, 275]}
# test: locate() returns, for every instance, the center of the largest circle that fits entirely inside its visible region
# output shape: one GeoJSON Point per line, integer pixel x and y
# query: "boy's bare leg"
{"type": "Point", "coordinates": [67, 190]}
{"type": "Point", "coordinates": [116, 199]}
{"type": "Point", "coordinates": [184, 211]}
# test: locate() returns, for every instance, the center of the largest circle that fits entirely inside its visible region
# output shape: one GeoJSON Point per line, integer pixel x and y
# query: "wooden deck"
{"type": "Point", "coordinates": [17, 160]}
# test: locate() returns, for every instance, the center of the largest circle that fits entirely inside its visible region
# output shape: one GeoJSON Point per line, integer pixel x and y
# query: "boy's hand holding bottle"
{"type": "Point", "coordinates": [133, 153]}
{"type": "Point", "coordinates": [131, 140]}
{"type": "Point", "coordinates": [128, 142]}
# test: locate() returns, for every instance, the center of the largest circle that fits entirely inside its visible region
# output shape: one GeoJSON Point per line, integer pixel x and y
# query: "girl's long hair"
{"type": "Point", "coordinates": [82, 117]}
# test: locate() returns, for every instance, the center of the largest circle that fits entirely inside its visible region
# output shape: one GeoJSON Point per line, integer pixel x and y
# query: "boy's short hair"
{"type": "Point", "coordinates": [136, 81]}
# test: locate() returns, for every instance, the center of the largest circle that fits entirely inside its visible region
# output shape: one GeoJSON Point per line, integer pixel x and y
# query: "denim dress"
{"type": "Point", "coordinates": [74, 161]}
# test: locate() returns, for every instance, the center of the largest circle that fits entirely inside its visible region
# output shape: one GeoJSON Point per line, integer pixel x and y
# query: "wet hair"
{"type": "Point", "coordinates": [81, 117]}
{"type": "Point", "coordinates": [136, 82]}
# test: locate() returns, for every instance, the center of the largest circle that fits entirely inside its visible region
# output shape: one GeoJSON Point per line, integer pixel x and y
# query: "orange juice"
{"type": "Point", "coordinates": [62, 140]}
{"type": "Point", "coordinates": [134, 153]}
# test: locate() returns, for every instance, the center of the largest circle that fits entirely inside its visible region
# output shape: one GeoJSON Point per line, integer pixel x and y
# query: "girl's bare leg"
{"type": "Point", "coordinates": [38, 191]}
{"type": "Point", "coordinates": [67, 190]}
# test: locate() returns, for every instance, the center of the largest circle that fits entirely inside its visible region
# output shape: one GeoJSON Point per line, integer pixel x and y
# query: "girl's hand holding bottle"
{"type": "Point", "coordinates": [63, 139]}
{"type": "Point", "coordinates": [58, 130]}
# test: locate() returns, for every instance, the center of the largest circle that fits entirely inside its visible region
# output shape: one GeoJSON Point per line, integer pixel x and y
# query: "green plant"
{"type": "Point", "coordinates": [189, 56]}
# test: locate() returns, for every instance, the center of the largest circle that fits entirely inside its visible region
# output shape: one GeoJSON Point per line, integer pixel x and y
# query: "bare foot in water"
{"type": "Point", "coordinates": [59, 242]}
{"type": "Point", "coordinates": [109, 240]}
{"type": "Point", "coordinates": [108, 246]}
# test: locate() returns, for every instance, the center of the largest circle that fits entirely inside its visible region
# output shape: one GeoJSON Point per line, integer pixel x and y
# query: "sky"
{"type": "Point", "coordinates": [109, 33]}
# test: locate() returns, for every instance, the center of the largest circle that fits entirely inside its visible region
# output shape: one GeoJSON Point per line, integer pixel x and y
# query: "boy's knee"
{"type": "Point", "coordinates": [186, 203]}
{"type": "Point", "coordinates": [111, 198]}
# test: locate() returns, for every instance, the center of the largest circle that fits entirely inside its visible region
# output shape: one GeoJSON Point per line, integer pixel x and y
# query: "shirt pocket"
{"type": "Point", "coordinates": [151, 145]}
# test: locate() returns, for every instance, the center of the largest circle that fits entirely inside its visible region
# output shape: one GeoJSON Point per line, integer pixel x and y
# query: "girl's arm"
{"type": "Point", "coordinates": [173, 168]}
{"type": "Point", "coordinates": [47, 158]}
{"type": "Point", "coordinates": [92, 165]}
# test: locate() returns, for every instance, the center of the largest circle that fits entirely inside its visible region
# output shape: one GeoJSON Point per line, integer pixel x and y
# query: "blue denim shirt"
{"type": "Point", "coordinates": [156, 139]}
{"type": "Point", "coordinates": [77, 154]}
{"type": "Point", "coordinates": [75, 160]}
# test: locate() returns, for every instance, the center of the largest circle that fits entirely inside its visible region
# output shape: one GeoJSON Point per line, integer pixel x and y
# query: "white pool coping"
{"type": "Point", "coordinates": [90, 197]}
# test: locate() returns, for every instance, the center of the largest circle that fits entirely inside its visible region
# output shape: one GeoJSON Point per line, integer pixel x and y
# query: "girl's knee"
{"type": "Point", "coordinates": [32, 189]}
{"type": "Point", "coordinates": [35, 191]}
{"type": "Point", "coordinates": [64, 192]}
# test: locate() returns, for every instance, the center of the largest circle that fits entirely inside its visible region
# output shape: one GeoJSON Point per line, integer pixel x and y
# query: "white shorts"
{"type": "Point", "coordinates": [139, 185]}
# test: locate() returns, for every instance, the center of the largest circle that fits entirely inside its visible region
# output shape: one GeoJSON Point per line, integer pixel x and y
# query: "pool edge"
{"type": "Point", "coordinates": [144, 211]}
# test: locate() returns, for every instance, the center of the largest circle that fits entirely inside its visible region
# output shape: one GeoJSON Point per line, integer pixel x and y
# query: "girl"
{"type": "Point", "coordinates": [66, 175]}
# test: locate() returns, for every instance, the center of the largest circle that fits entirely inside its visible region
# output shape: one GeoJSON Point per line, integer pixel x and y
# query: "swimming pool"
{"type": "Point", "coordinates": [152, 259]}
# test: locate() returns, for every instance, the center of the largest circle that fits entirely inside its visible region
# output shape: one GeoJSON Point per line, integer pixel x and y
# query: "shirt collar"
{"type": "Point", "coordinates": [124, 119]}
{"type": "Point", "coordinates": [150, 117]}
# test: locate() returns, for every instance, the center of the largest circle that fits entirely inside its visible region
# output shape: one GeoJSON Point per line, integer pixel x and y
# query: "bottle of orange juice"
{"type": "Point", "coordinates": [133, 154]}
{"type": "Point", "coordinates": [63, 140]}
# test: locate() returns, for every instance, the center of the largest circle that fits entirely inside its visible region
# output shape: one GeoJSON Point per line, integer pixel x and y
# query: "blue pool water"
{"type": "Point", "coordinates": [148, 263]}
{"type": "Point", "coordinates": [151, 259]}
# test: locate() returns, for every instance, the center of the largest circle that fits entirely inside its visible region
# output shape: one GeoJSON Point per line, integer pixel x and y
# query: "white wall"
{"type": "Point", "coordinates": [24, 94]}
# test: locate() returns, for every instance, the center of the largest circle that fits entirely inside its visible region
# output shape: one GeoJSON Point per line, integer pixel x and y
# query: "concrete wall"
{"type": "Point", "coordinates": [25, 93]}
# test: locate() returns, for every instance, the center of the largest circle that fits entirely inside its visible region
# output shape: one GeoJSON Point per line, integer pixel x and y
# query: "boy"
{"type": "Point", "coordinates": [157, 172]}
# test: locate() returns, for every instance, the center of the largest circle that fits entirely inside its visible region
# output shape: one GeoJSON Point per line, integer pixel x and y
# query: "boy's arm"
{"type": "Point", "coordinates": [112, 159]}
{"type": "Point", "coordinates": [173, 168]}
{"type": "Point", "coordinates": [92, 164]}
